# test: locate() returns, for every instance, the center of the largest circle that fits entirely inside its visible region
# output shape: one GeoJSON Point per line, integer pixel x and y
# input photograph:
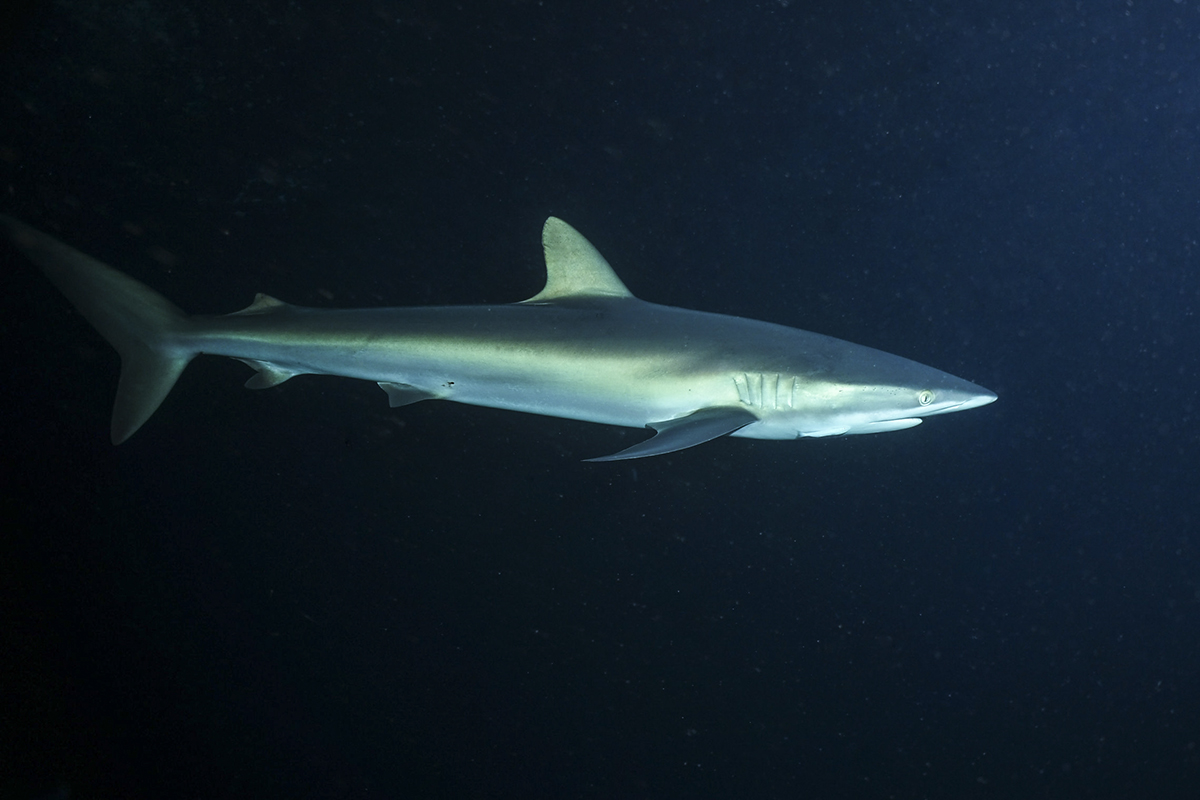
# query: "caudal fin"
{"type": "Point", "coordinates": [144, 327]}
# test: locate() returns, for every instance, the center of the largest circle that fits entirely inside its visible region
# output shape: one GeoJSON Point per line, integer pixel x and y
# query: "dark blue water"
{"type": "Point", "coordinates": [303, 593]}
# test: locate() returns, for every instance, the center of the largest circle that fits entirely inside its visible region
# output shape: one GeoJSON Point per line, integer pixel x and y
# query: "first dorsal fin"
{"type": "Point", "coordinates": [573, 267]}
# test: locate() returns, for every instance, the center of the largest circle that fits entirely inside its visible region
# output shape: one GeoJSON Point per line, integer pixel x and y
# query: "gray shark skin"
{"type": "Point", "coordinates": [583, 348]}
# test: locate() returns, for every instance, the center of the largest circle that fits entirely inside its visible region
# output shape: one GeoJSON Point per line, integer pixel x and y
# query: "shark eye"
{"type": "Point", "coordinates": [925, 397]}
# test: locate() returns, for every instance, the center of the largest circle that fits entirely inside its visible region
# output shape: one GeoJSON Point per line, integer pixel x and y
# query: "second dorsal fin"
{"type": "Point", "coordinates": [263, 304]}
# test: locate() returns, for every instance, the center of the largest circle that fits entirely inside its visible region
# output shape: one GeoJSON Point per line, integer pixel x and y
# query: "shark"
{"type": "Point", "coordinates": [583, 348]}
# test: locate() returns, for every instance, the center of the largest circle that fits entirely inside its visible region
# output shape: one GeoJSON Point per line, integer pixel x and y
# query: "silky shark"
{"type": "Point", "coordinates": [582, 348]}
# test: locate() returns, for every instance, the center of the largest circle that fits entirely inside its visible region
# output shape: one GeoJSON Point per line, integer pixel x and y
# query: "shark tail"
{"type": "Point", "coordinates": [146, 329]}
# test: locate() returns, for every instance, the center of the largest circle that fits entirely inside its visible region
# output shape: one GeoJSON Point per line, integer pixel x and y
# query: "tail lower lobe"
{"type": "Point", "coordinates": [145, 328]}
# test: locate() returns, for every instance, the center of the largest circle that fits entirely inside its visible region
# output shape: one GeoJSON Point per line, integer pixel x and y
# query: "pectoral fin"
{"type": "Point", "coordinates": [677, 434]}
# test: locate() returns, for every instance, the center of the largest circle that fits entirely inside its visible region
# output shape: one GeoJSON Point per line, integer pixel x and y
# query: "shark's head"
{"type": "Point", "coordinates": [897, 394]}
{"type": "Point", "coordinates": [863, 391]}
{"type": "Point", "coordinates": [876, 408]}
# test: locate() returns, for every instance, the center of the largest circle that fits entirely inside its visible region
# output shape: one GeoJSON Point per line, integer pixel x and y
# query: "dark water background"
{"type": "Point", "coordinates": [301, 593]}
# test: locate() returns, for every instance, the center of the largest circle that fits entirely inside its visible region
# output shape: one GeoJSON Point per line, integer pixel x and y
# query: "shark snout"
{"type": "Point", "coordinates": [982, 399]}
{"type": "Point", "coordinates": [967, 397]}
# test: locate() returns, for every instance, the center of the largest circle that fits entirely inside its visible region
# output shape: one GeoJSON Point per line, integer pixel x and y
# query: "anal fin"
{"type": "Point", "coordinates": [267, 374]}
{"type": "Point", "coordinates": [678, 434]}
